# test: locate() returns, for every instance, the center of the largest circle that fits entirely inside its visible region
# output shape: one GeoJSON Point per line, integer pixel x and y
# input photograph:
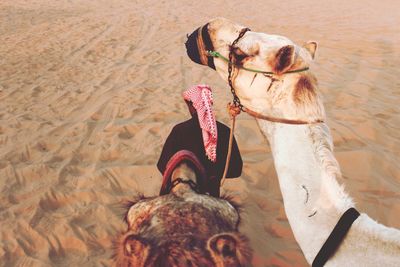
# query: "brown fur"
{"type": "Point", "coordinates": [127, 204]}
{"type": "Point", "coordinates": [305, 90]}
{"type": "Point", "coordinates": [127, 248]}
{"type": "Point", "coordinates": [229, 249]}
{"type": "Point", "coordinates": [238, 207]}
{"type": "Point", "coordinates": [283, 59]}
{"type": "Point", "coordinates": [182, 228]}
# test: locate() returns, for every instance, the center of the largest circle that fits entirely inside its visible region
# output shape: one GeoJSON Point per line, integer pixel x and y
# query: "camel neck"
{"type": "Point", "coordinates": [307, 172]}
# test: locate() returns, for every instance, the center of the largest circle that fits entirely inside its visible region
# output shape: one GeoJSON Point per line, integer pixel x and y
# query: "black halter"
{"type": "Point", "coordinates": [336, 237]}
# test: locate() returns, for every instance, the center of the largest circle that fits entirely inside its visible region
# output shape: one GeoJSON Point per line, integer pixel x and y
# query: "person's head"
{"type": "Point", "coordinates": [200, 95]}
{"type": "Point", "coordinates": [200, 101]}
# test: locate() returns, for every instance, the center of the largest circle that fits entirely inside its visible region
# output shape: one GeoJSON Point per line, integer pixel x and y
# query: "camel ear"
{"type": "Point", "coordinates": [229, 249]}
{"type": "Point", "coordinates": [135, 250]}
{"type": "Point", "coordinates": [311, 47]}
{"type": "Point", "coordinates": [284, 58]}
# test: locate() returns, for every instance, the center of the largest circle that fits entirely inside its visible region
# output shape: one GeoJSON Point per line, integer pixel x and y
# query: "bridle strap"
{"type": "Point", "coordinates": [267, 73]}
{"type": "Point", "coordinates": [192, 184]}
{"type": "Point", "coordinates": [279, 120]}
{"type": "Point", "coordinates": [236, 100]}
{"type": "Point", "coordinates": [204, 45]}
{"type": "Point", "coordinates": [336, 237]}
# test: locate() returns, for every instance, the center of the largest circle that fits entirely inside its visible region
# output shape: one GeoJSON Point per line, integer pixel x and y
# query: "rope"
{"type": "Point", "coordinates": [218, 55]}
{"type": "Point", "coordinates": [233, 111]}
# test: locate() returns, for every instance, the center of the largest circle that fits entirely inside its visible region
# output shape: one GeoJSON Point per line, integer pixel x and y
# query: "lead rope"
{"type": "Point", "coordinates": [233, 111]}
{"type": "Point", "coordinates": [233, 108]}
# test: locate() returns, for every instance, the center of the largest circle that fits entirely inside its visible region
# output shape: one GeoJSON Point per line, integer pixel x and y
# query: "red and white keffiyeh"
{"type": "Point", "coordinates": [201, 97]}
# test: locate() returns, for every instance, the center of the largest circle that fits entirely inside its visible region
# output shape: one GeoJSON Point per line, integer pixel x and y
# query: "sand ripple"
{"type": "Point", "coordinates": [89, 91]}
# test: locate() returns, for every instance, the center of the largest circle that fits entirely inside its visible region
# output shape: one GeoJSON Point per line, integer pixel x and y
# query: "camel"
{"type": "Point", "coordinates": [182, 228]}
{"type": "Point", "coordinates": [271, 80]}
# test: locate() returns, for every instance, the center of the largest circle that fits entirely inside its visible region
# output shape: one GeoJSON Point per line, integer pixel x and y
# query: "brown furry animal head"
{"type": "Point", "coordinates": [182, 228]}
{"type": "Point", "coordinates": [220, 250]}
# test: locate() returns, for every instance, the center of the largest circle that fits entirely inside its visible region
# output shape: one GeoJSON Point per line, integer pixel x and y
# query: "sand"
{"type": "Point", "coordinates": [89, 90]}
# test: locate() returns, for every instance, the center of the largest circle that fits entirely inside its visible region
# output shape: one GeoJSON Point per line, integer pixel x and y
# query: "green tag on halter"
{"type": "Point", "coordinates": [213, 54]}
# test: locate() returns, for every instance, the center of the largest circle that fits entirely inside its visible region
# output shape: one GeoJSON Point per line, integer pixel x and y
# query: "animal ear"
{"type": "Point", "coordinates": [284, 58]}
{"type": "Point", "coordinates": [311, 47]}
{"type": "Point", "coordinates": [134, 245]}
{"type": "Point", "coordinates": [132, 250]}
{"type": "Point", "coordinates": [229, 249]}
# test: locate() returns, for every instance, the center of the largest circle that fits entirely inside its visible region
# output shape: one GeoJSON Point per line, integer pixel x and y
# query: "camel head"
{"type": "Point", "coordinates": [280, 91]}
{"type": "Point", "coordinates": [182, 228]}
{"type": "Point", "coordinates": [220, 250]}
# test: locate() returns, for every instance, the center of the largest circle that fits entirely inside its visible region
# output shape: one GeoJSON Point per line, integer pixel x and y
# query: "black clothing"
{"type": "Point", "coordinates": [188, 135]}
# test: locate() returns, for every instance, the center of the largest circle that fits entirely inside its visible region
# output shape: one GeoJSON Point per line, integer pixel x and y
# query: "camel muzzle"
{"type": "Point", "coordinates": [197, 45]}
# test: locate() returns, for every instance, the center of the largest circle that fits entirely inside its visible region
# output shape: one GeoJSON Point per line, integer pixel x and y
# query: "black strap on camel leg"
{"type": "Point", "coordinates": [336, 237]}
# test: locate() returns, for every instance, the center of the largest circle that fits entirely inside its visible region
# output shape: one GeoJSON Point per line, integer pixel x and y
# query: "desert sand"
{"type": "Point", "coordinates": [89, 90]}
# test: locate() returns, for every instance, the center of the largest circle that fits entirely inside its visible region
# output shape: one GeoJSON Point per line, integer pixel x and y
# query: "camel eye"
{"type": "Point", "coordinates": [239, 55]}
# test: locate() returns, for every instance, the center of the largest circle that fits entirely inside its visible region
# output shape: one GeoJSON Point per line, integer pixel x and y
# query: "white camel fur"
{"type": "Point", "coordinates": [303, 154]}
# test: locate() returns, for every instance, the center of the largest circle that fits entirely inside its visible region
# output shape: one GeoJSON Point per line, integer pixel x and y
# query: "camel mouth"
{"type": "Point", "coordinates": [188, 157]}
{"type": "Point", "coordinates": [197, 45]}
